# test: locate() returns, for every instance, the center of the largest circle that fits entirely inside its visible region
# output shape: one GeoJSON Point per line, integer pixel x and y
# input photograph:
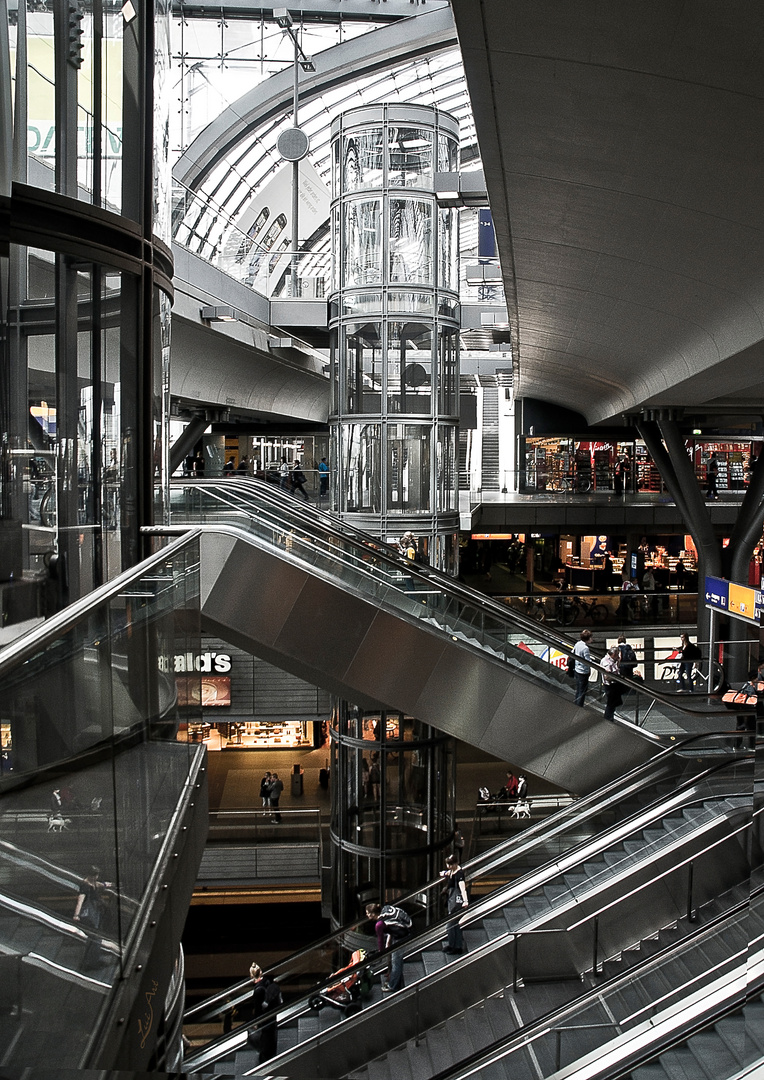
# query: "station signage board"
{"type": "Point", "coordinates": [737, 600]}
{"type": "Point", "coordinates": [717, 593]}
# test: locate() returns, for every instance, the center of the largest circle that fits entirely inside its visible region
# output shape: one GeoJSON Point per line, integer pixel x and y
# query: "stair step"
{"type": "Point", "coordinates": [714, 1054]}
{"type": "Point", "coordinates": [419, 1059]}
{"type": "Point", "coordinates": [459, 1038]}
{"type": "Point", "coordinates": [379, 1070]}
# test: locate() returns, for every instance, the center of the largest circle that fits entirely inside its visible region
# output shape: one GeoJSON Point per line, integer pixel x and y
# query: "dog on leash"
{"type": "Point", "coordinates": [57, 823]}
{"type": "Point", "coordinates": [521, 808]}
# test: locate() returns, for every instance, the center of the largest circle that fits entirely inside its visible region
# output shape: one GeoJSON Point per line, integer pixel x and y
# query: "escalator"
{"type": "Point", "coordinates": [342, 611]}
{"type": "Point", "coordinates": [89, 712]}
{"type": "Point", "coordinates": [584, 924]}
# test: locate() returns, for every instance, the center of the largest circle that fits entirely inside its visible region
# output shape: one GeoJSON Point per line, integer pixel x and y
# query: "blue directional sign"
{"type": "Point", "coordinates": [717, 593]}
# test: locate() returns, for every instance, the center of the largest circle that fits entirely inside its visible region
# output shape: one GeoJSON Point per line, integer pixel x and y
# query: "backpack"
{"type": "Point", "coordinates": [571, 666]}
{"type": "Point", "coordinates": [628, 660]}
{"type": "Point", "coordinates": [396, 920]}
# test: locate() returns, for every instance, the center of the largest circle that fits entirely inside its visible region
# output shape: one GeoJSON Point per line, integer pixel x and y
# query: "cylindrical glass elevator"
{"type": "Point", "coordinates": [394, 421]}
{"type": "Point", "coordinates": [395, 327]}
{"type": "Point", "coordinates": [392, 809]}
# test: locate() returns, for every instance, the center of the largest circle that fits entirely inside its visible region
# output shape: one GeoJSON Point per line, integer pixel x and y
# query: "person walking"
{"type": "Point", "coordinates": [391, 925]}
{"type": "Point", "coordinates": [284, 474]}
{"type": "Point", "coordinates": [298, 480]}
{"type": "Point", "coordinates": [689, 657]}
{"type": "Point", "coordinates": [455, 888]}
{"type": "Point", "coordinates": [323, 477]}
{"type": "Point", "coordinates": [712, 474]}
{"type": "Point", "coordinates": [581, 665]}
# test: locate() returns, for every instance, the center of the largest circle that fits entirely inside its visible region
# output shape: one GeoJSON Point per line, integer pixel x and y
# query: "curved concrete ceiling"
{"type": "Point", "coordinates": [622, 146]}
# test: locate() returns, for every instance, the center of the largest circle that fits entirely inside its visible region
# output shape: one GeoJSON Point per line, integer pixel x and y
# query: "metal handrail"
{"type": "Point", "coordinates": [45, 633]}
{"type": "Point", "coordinates": [319, 521]}
{"type": "Point", "coordinates": [514, 848]}
{"type": "Point", "coordinates": [229, 1042]}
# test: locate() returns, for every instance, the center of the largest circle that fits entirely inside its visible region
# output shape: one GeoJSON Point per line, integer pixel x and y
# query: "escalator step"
{"type": "Point", "coordinates": [495, 928]}
{"type": "Point", "coordinates": [379, 1070]}
{"type": "Point", "coordinates": [307, 1027]}
{"type": "Point", "coordinates": [480, 1026]}
{"type": "Point", "coordinates": [500, 1018]}
{"type": "Point", "coordinates": [434, 960]}
{"type": "Point", "coordinates": [713, 1054]}
{"type": "Point", "coordinates": [536, 905]}
{"type": "Point", "coordinates": [399, 1064]}
{"type": "Point", "coordinates": [439, 1048]}
{"type": "Point", "coordinates": [681, 1064]}
{"type": "Point", "coordinates": [538, 999]}
{"type": "Point", "coordinates": [754, 1025]}
{"type": "Point", "coordinates": [459, 1037]}
{"type": "Point", "coordinates": [652, 1071]}
{"type": "Point", "coordinates": [556, 890]}
{"type": "Point", "coordinates": [474, 938]}
{"type": "Point", "coordinates": [419, 1059]}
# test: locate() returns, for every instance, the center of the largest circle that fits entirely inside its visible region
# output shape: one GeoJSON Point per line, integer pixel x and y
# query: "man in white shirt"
{"type": "Point", "coordinates": [582, 669]}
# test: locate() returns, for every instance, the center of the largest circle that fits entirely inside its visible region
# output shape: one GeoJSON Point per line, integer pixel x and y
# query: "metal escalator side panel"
{"type": "Point", "coordinates": [322, 630]}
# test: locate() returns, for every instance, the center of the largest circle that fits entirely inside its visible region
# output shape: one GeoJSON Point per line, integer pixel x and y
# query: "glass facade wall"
{"type": "Point", "coordinates": [84, 387]}
{"type": "Point", "coordinates": [395, 323]}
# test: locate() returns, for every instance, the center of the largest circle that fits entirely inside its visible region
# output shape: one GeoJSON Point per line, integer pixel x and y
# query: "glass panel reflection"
{"type": "Point", "coordinates": [408, 468]}
{"type": "Point", "coordinates": [362, 161]}
{"type": "Point", "coordinates": [409, 157]}
{"type": "Point", "coordinates": [411, 241]}
{"type": "Point", "coordinates": [409, 367]}
{"type": "Point", "coordinates": [362, 237]}
{"type": "Point", "coordinates": [363, 367]}
{"type": "Point", "coordinates": [95, 743]}
{"type": "Point", "coordinates": [360, 449]}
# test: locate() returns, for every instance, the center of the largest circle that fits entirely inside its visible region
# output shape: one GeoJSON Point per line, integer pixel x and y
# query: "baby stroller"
{"type": "Point", "coordinates": [346, 995]}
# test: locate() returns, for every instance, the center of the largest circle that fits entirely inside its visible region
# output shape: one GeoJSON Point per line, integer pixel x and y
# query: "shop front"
{"type": "Point", "coordinates": [569, 464]}
{"type": "Point", "coordinates": [248, 704]}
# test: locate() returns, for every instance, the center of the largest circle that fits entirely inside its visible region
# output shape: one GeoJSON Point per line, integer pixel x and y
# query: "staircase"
{"type": "Point", "coordinates": [490, 456]}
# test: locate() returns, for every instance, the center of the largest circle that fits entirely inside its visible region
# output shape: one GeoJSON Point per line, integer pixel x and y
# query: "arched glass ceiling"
{"type": "Point", "coordinates": [435, 79]}
{"type": "Point", "coordinates": [216, 60]}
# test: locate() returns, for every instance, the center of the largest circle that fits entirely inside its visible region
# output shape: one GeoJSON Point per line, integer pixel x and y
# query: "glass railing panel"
{"type": "Point", "coordinates": [364, 564]}
{"type": "Point", "coordinates": [673, 992]}
{"type": "Point", "coordinates": [541, 845]}
{"type": "Point", "coordinates": [98, 707]}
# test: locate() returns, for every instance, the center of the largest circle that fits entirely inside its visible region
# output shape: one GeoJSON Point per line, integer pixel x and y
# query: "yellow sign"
{"type": "Point", "coordinates": [742, 601]}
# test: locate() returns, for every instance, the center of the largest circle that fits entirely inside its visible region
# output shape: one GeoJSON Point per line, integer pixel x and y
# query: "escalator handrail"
{"type": "Point", "coordinates": [235, 994]}
{"type": "Point", "coordinates": [20, 650]}
{"type": "Point", "coordinates": [426, 575]}
{"type": "Point", "coordinates": [224, 1045]}
{"type": "Point", "coordinates": [487, 604]}
{"type": "Point", "coordinates": [539, 833]}
{"type": "Point", "coordinates": [524, 1035]}
{"type": "Point", "coordinates": [447, 586]}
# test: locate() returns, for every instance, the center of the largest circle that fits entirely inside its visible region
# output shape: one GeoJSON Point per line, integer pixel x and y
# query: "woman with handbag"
{"type": "Point", "coordinates": [455, 890]}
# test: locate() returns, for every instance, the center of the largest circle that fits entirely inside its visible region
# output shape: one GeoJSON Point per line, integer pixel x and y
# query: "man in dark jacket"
{"type": "Point", "coordinates": [691, 655]}
{"type": "Point", "coordinates": [274, 793]}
